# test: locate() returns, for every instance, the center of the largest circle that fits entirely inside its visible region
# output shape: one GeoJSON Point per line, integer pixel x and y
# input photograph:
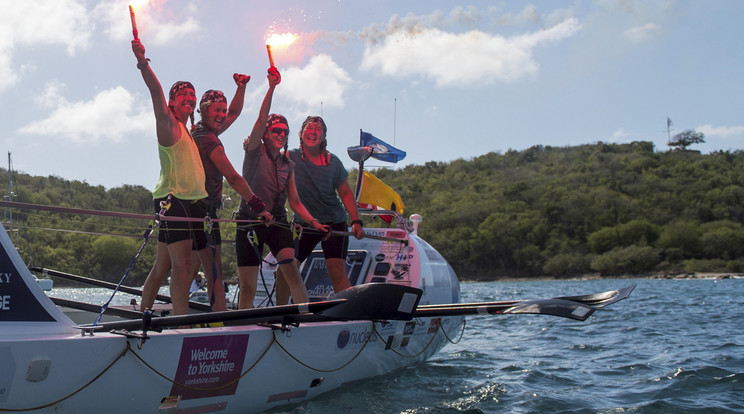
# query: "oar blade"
{"type": "Point", "coordinates": [602, 299]}
{"type": "Point", "coordinates": [553, 307]}
{"type": "Point", "coordinates": [376, 301]}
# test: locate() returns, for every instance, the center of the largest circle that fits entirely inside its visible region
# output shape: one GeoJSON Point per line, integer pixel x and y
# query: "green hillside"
{"type": "Point", "coordinates": [601, 208]}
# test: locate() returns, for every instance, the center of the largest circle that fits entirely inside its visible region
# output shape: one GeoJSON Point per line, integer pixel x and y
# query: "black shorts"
{"type": "Point", "coordinates": [200, 209]}
{"type": "Point", "coordinates": [333, 248]}
{"type": "Point", "coordinates": [276, 237]}
{"type": "Point", "coordinates": [172, 231]}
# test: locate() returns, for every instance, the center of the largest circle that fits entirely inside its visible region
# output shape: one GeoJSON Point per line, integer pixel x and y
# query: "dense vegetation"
{"type": "Point", "coordinates": [606, 208]}
{"type": "Point", "coordinates": [602, 208]}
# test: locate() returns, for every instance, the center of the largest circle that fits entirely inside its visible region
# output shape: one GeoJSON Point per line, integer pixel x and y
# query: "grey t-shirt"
{"type": "Point", "coordinates": [316, 186]}
{"type": "Point", "coordinates": [268, 180]}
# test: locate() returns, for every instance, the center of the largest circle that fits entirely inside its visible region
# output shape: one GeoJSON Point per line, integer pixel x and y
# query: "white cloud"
{"type": "Point", "coordinates": [7, 76]}
{"type": "Point", "coordinates": [168, 32]}
{"type": "Point", "coordinates": [52, 95]}
{"type": "Point", "coordinates": [64, 22]}
{"type": "Point", "coordinates": [722, 132]}
{"type": "Point", "coordinates": [321, 80]}
{"type": "Point", "coordinates": [160, 27]}
{"type": "Point", "coordinates": [469, 15]}
{"type": "Point", "coordinates": [619, 135]}
{"type": "Point", "coordinates": [40, 22]}
{"type": "Point", "coordinates": [642, 33]}
{"type": "Point", "coordinates": [454, 59]}
{"type": "Point", "coordinates": [109, 115]}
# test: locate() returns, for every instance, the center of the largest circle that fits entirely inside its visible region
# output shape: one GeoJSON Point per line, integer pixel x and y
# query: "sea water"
{"type": "Point", "coordinates": [674, 346]}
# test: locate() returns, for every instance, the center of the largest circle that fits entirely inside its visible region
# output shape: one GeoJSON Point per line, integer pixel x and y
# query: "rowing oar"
{"type": "Point", "coordinates": [370, 236]}
{"type": "Point", "coordinates": [572, 307]}
{"type": "Point", "coordinates": [593, 299]}
{"type": "Point", "coordinates": [90, 307]}
{"type": "Point", "coordinates": [245, 316]}
{"type": "Point", "coordinates": [108, 285]}
{"type": "Point", "coordinates": [372, 301]}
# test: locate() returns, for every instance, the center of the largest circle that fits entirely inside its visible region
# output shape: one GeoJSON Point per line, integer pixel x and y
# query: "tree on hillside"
{"type": "Point", "coordinates": [686, 138]}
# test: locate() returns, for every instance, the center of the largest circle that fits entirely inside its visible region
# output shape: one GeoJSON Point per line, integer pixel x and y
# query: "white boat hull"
{"type": "Point", "coordinates": [48, 366]}
{"type": "Point", "coordinates": [231, 369]}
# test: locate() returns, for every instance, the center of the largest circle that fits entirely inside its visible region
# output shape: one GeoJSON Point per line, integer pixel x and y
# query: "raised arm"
{"type": "Point", "coordinates": [166, 124]}
{"type": "Point", "coordinates": [236, 181]}
{"type": "Point", "coordinates": [236, 104]}
{"type": "Point", "coordinates": [259, 128]}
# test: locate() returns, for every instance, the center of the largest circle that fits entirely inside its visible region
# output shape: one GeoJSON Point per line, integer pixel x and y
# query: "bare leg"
{"type": "Point", "coordinates": [292, 276]}
{"type": "Point", "coordinates": [180, 253]}
{"type": "Point", "coordinates": [337, 274]}
{"type": "Point", "coordinates": [195, 266]}
{"type": "Point", "coordinates": [156, 276]}
{"type": "Point", "coordinates": [281, 287]}
{"type": "Point", "coordinates": [247, 276]}
{"type": "Point", "coordinates": [209, 261]}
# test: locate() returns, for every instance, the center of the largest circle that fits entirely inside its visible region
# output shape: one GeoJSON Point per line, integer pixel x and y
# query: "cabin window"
{"type": "Point", "coordinates": [315, 274]}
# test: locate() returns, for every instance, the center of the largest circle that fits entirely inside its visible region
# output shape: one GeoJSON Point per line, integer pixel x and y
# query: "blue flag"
{"type": "Point", "coordinates": [380, 149]}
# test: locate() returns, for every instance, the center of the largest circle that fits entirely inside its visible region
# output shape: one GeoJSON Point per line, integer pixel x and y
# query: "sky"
{"type": "Point", "coordinates": [441, 80]}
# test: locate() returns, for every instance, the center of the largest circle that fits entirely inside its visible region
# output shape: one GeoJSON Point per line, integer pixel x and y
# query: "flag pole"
{"type": "Point", "coordinates": [395, 118]}
{"type": "Point", "coordinates": [358, 189]}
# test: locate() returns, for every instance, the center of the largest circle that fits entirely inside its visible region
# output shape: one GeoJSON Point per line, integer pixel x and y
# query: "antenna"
{"type": "Point", "coordinates": [395, 117]}
{"type": "Point", "coordinates": [321, 109]}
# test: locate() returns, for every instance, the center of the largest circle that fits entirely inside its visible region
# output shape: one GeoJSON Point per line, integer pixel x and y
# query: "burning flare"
{"type": "Point", "coordinates": [134, 23]}
{"type": "Point", "coordinates": [278, 40]}
{"type": "Point", "coordinates": [134, 3]}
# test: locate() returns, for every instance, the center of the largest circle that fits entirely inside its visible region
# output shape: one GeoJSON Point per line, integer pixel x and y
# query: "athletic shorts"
{"type": "Point", "coordinates": [200, 209]}
{"type": "Point", "coordinates": [172, 231]}
{"type": "Point", "coordinates": [333, 248]}
{"type": "Point", "coordinates": [276, 237]}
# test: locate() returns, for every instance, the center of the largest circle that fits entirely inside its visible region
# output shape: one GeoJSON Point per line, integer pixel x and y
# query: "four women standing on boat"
{"type": "Point", "coordinates": [190, 185]}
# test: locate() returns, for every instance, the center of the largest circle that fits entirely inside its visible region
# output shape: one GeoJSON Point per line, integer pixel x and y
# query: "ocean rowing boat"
{"type": "Point", "coordinates": [403, 307]}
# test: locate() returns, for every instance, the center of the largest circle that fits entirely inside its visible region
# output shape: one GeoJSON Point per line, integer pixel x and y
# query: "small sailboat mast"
{"type": "Point", "coordinates": [10, 196]}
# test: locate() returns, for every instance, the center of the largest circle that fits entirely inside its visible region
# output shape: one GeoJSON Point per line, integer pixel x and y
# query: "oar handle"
{"type": "Point", "coordinates": [370, 236]}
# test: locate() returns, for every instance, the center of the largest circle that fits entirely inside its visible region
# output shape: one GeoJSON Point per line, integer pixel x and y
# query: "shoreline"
{"type": "Point", "coordinates": [593, 276]}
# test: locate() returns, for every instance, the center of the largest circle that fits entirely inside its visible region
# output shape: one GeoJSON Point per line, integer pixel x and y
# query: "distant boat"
{"type": "Point", "coordinates": [45, 284]}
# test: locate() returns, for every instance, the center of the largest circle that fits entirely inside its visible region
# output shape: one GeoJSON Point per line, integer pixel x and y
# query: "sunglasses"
{"type": "Point", "coordinates": [279, 131]}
